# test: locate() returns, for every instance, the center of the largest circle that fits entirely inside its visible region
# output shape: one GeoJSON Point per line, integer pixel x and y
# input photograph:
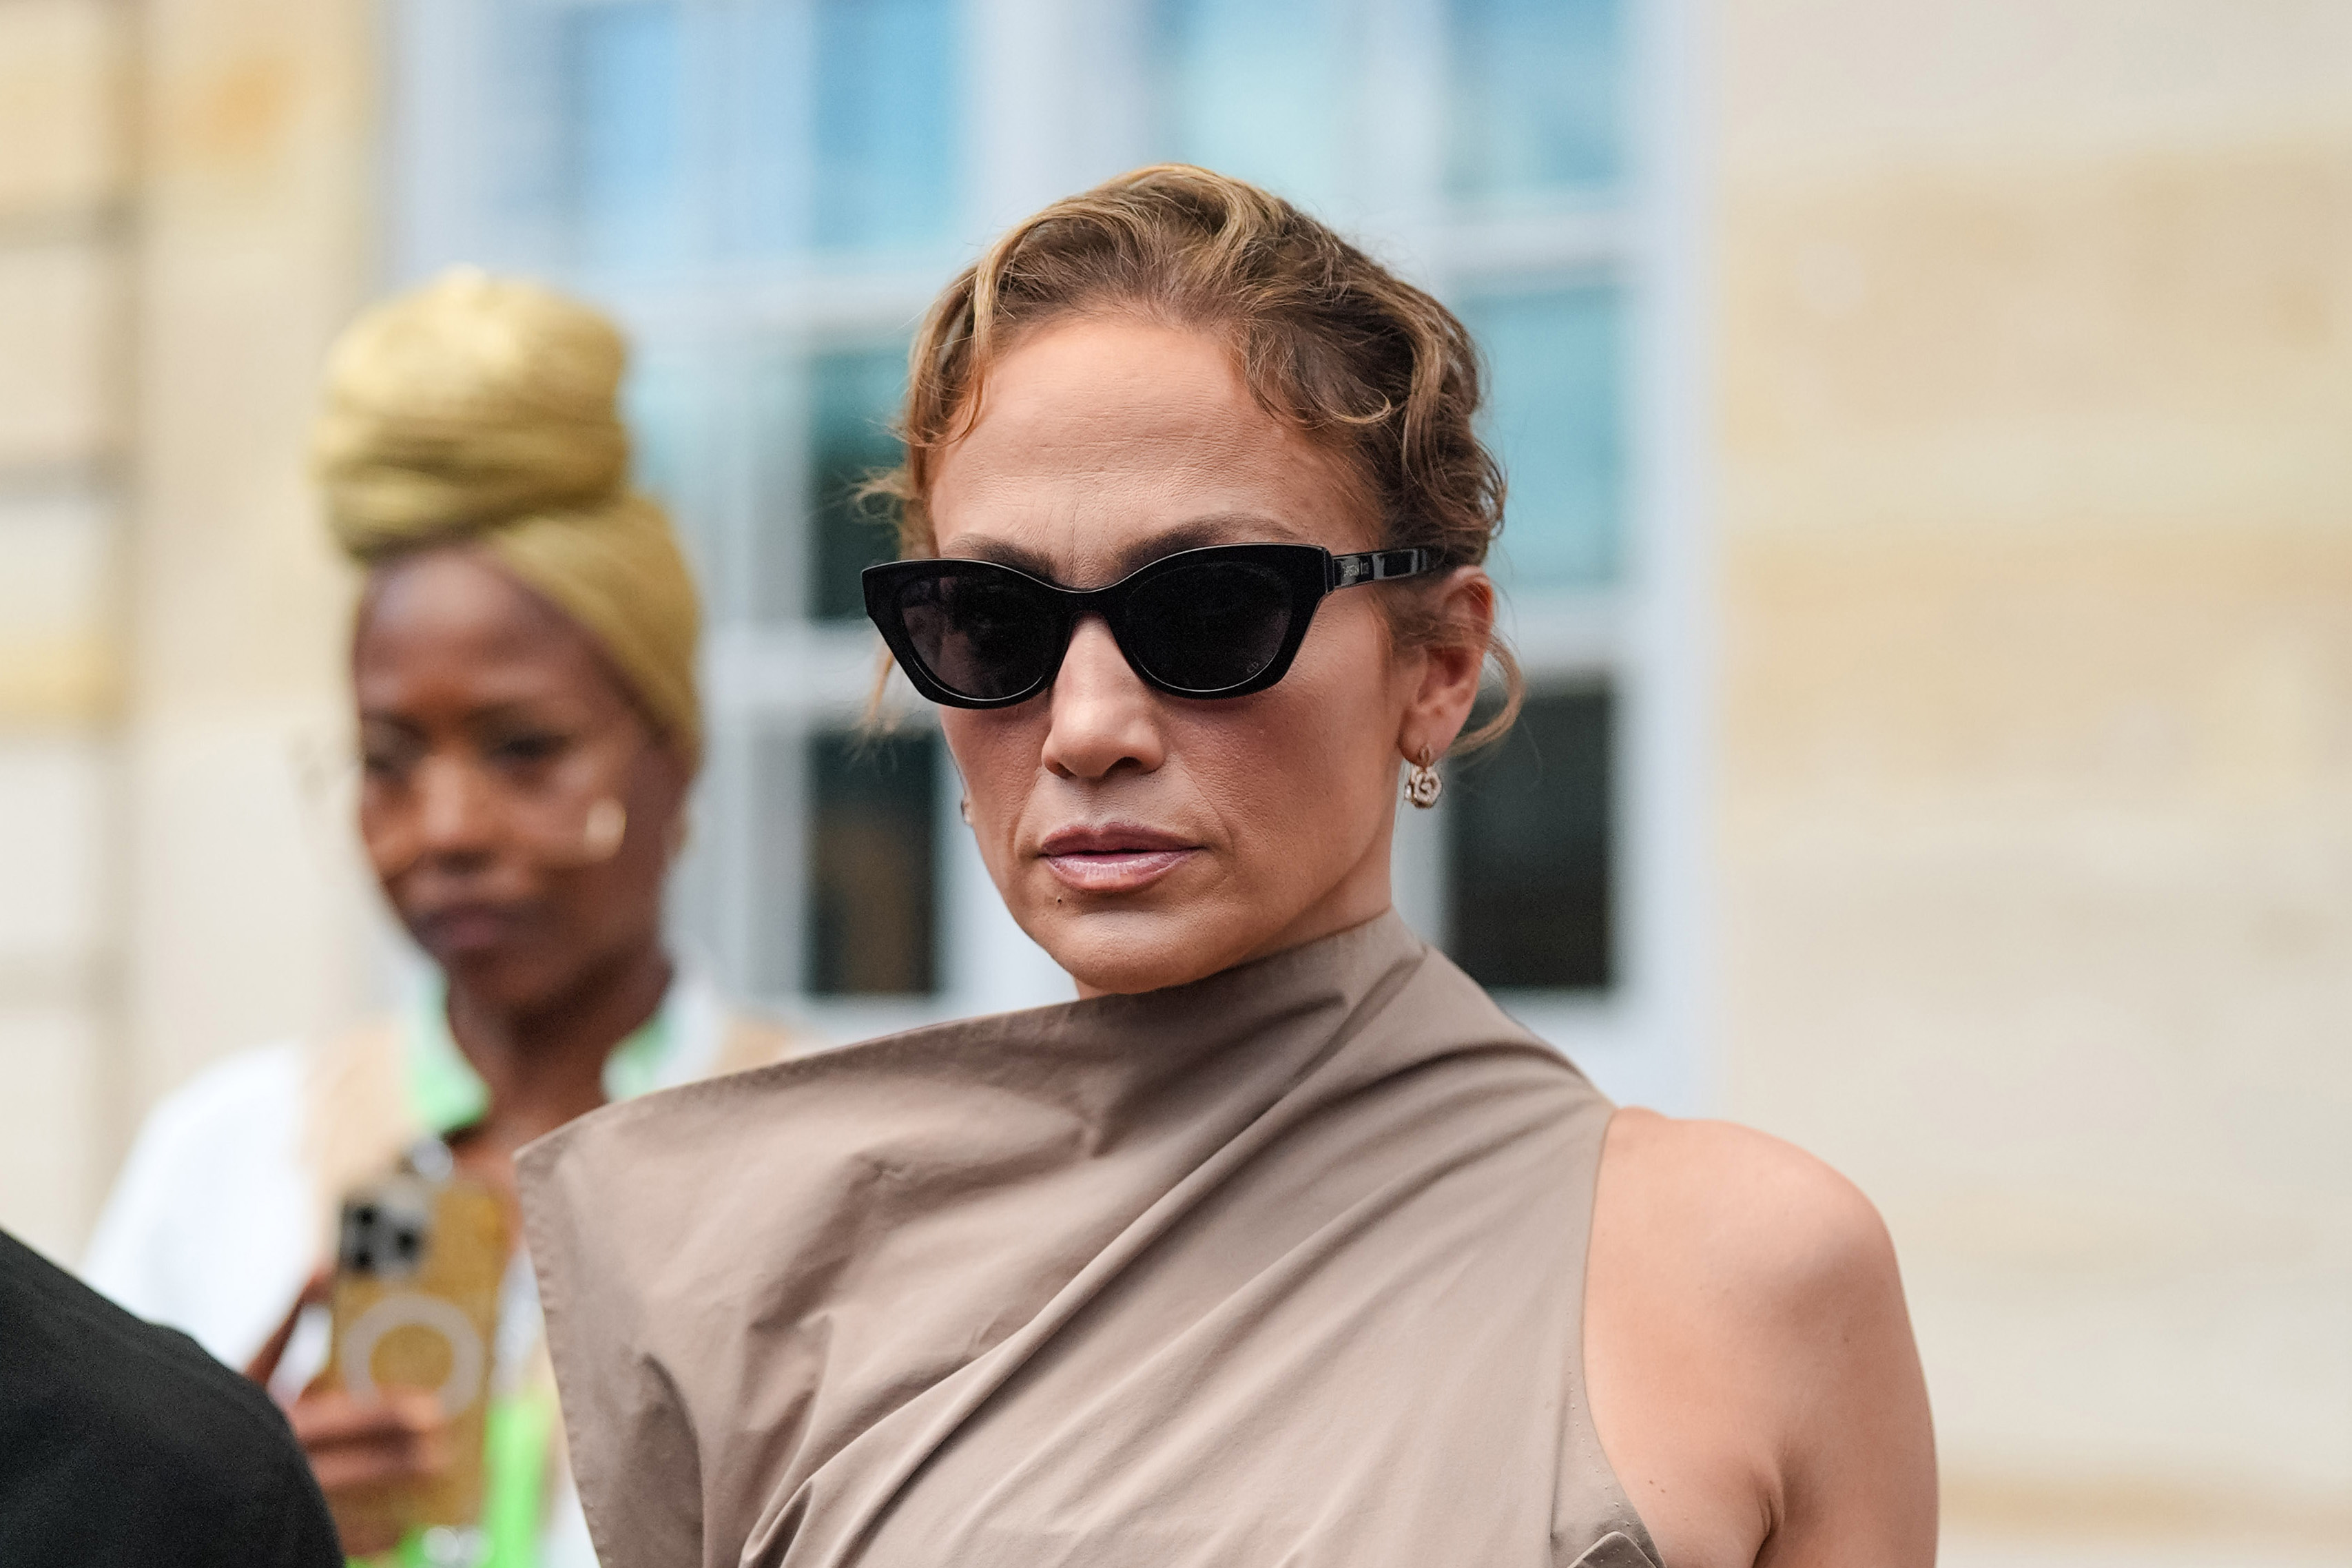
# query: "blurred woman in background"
{"type": "Point", "coordinates": [523, 666]}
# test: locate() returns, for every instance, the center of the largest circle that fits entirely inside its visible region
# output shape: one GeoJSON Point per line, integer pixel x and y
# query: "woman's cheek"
{"type": "Point", "coordinates": [1269, 778]}
{"type": "Point", "coordinates": [993, 771]}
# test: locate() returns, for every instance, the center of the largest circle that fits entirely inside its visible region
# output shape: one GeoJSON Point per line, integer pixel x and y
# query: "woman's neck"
{"type": "Point", "coordinates": [545, 1064]}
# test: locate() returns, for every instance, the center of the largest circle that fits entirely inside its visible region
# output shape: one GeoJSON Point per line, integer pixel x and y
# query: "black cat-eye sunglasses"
{"type": "Point", "coordinates": [1220, 622]}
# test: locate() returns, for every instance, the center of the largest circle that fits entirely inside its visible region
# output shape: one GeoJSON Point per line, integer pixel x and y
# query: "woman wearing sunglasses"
{"type": "Point", "coordinates": [522, 667]}
{"type": "Point", "coordinates": [1283, 1244]}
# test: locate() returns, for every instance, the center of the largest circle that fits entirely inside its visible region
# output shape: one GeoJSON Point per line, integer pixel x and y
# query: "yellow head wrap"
{"type": "Point", "coordinates": [482, 410]}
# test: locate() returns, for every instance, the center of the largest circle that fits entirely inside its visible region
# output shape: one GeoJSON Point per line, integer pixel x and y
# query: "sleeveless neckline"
{"type": "Point", "coordinates": [1283, 1265]}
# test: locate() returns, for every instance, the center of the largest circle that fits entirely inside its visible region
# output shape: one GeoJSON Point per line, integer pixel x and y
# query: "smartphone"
{"type": "Point", "coordinates": [420, 1256]}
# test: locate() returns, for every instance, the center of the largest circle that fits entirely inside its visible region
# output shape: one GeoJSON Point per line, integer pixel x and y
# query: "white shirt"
{"type": "Point", "coordinates": [212, 1227]}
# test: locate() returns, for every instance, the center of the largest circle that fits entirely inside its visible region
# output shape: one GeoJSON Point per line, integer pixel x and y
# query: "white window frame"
{"type": "Point", "coordinates": [1055, 104]}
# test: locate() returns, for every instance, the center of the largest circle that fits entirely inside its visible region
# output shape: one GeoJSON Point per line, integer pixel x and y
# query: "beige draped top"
{"type": "Point", "coordinates": [1284, 1266]}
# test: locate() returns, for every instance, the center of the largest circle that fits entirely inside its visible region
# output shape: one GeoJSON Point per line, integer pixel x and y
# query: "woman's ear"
{"type": "Point", "coordinates": [1450, 667]}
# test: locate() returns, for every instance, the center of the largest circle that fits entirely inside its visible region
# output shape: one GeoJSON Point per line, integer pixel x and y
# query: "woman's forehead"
{"type": "Point", "coordinates": [1094, 435]}
{"type": "Point", "coordinates": [450, 618]}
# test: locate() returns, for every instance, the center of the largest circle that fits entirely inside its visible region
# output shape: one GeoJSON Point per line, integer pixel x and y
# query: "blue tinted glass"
{"type": "Point", "coordinates": [872, 902]}
{"type": "Point", "coordinates": [852, 397]}
{"type": "Point", "coordinates": [662, 403]}
{"type": "Point", "coordinates": [886, 99]}
{"type": "Point", "coordinates": [762, 178]}
{"type": "Point", "coordinates": [653, 403]}
{"type": "Point", "coordinates": [1556, 415]}
{"type": "Point", "coordinates": [624, 109]}
{"type": "Point", "coordinates": [1256, 89]}
{"type": "Point", "coordinates": [1529, 838]}
{"type": "Point", "coordinates": [1538, 96]}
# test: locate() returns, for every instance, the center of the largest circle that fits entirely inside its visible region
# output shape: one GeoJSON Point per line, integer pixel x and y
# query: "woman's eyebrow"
{"type": "Point", "coordinates": [1193, 534]}
{"type": "Point", "coordinates": [981, 547]}
{"type": "Point", "coordinates": [1200, 533]}
{"type": "Point", "coordinates": [546, 712]}
{"type": "Point", "coordinates": [382, 719]}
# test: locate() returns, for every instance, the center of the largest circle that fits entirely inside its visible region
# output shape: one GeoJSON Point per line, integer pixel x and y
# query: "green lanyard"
{"type": "Point", "coordinates": [514, 1459]}
{"type": "Point", "coordinates": [444, 1093]}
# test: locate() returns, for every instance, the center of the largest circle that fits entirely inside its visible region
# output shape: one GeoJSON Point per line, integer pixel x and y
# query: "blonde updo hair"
{"type": "Point", "coordinates": [484, 411]}
{"type": "Point", "coordinates": [1328, 340]}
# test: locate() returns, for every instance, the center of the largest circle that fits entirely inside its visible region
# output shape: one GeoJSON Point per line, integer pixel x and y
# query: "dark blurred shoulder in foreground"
{"type": "Point", "coordinates": [123, 1442]}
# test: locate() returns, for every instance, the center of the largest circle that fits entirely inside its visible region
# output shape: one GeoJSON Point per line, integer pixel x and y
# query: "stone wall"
{"type": "Point", "coordinates": [66, 216]}
{"type": "Point", "coordinates": [2036, 572]}
{"type": "Point", "coordinates": [185, 200]}
{"type": "Point", "coordinates": [256, 244]}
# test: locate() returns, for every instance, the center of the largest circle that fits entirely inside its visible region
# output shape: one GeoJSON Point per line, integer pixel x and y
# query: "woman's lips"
{"type": "Point", "coordinates": [457, 930]}
{"type": "Point", "coordinates": [1116, 858]}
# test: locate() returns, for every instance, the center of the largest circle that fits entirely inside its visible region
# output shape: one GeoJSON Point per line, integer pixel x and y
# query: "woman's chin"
{"type": "Point", "coordinates": [510, 980]}
{"type": "Point", "coordinates": [1114, 951]}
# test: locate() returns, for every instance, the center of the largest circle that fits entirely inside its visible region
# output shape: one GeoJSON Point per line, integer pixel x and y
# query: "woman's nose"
{"type": "Point", "coordinates": [455, 814]}
{"type": "Point", "coordinates": [1103, 716]}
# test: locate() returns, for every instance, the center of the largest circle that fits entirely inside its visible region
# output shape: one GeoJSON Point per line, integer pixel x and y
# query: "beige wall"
{"type": "Point", "coordinates": [256, 244]}
{"type": "Point", "coordinates": [64, 444]}
{"type": "Point", "coordinates": [185, 199]}
{"type": "Point", "coordinates": [2036, 577]}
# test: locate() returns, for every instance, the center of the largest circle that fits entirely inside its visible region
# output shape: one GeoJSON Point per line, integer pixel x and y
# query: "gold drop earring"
{"type": "Point", "coordinates": [1421, 784]}
{"type": "Point", "coordinates": [607, 825]}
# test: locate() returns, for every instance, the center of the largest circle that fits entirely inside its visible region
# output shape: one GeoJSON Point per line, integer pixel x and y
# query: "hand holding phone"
{"type": "Point", "coordinates": [369, 1459]}
{"type": "Point", "coordinates": [361, 1454]}
{"type": "Point", "coordinates": [397, 1417]}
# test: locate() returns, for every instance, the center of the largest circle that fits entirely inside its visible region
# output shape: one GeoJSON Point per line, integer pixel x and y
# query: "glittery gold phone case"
{"type": "Point", "coordinates": [419, 1260]}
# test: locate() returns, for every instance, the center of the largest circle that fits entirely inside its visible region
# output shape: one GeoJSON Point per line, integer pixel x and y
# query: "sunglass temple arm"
{"type": "Point", "coordinates": [1377, 566]}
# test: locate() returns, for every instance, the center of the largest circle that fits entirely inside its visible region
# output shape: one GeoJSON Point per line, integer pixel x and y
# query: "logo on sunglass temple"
{"type": "Point", "coordinates": [1378, 566]}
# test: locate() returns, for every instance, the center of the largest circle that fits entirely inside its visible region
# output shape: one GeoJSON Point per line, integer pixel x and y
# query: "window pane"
{"type": "Point", "coordinates": [661, 402]}
{"type": "Point", "coordinates": [1554, 412]}
{"type": "Point", "coordinates": [885, 112]}
{"type": "Point", "coordinates": [624, 111]}
{"type": "Point", "coordinates": [1256, 89]}
{"type": "Point", "coordinates": [759, 176]}
{"type": "Point", "coordinates": [852, 397]}
{"type": "Point", "coordinates": [1538, 97]}
{"type": "Point", "coordinates": [1529, 830]}
{"type": "Point", "coordinates": [873, 903]}
{"type": "Point", "coordinates": [655, 405]}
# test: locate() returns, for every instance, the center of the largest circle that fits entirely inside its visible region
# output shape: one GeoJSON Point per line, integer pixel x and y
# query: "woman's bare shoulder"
{"type": "Point", "coordinates": [1726, 1205]}
{"type": "Point", "coordinates": [1750, 1354]}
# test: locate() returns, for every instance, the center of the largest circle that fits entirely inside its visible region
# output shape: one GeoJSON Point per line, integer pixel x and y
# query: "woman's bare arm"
{"type": "Point", "coordinates": [1749, 1356]}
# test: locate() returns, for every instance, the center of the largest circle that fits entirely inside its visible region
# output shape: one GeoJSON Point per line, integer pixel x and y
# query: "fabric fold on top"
{"type": "Point", "coordinates": [1283, 1267]}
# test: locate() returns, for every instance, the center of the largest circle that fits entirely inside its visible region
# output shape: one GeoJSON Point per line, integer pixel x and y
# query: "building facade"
{"type": "Point", "coordinates": [1932, 543]}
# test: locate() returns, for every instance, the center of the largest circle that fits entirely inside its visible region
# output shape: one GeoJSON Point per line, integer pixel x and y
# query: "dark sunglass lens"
{"type": "Point", "coordinates": [981, 633]}
{"type": "Point", "coordinates": [1209, 628]}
